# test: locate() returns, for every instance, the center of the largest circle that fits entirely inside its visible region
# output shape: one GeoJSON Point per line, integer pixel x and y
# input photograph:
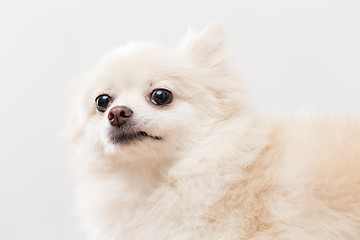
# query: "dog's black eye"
{"type": "Point", "coordinates": [161, 97]}
{"type": "Point", "coordinates": [103, 102]}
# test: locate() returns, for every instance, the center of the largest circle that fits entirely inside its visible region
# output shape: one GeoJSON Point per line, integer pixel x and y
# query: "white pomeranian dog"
{"type": "Point", "coordinates": [166, 145]}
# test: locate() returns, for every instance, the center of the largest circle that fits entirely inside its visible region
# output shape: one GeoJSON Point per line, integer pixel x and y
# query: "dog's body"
{"type": "Point", "coordinates": [205, 165]}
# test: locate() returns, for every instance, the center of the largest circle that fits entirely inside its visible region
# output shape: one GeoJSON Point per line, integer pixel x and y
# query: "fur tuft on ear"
{"type": "Point", "coordinates": [207, 47]}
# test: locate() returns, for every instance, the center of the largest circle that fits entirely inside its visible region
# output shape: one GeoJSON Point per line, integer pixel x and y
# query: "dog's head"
{"type": "Point", "coordinates": [145, 102]}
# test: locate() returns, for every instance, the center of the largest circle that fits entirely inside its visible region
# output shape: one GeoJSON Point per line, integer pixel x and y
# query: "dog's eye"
{"type": "Point", "coordinates": [103, 102]}
{"type": "Point", "coordinates": [161, 97]}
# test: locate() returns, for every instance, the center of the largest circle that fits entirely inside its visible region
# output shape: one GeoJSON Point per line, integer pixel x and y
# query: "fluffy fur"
{"type": "Point", "coordinates": [221, 170]}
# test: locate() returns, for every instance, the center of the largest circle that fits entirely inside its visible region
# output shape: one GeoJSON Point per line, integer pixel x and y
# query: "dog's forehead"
{"type": "Point", "coordinates": [134, 67]}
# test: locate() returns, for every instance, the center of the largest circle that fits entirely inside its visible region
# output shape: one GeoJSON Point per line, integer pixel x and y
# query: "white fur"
{"type": "Point", "coordinates": [221, 170]}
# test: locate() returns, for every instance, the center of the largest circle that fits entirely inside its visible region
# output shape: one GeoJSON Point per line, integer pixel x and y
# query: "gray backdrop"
{"type": "Point", "coordinates": [294, 54]}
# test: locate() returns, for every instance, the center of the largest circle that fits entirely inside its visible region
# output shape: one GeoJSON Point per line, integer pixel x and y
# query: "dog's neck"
{"type": "Point", "coordinates": [143, 178]}
{"type": "Point", "coordinates": [138, 179]}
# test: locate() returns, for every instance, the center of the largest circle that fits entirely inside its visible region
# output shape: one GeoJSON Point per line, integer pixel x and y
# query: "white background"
{"type": "Point", "coordinates": [294, 53]}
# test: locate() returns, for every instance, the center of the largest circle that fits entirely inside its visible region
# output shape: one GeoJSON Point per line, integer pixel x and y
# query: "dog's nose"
{"type": "Point", "coordinates": [117, 115]}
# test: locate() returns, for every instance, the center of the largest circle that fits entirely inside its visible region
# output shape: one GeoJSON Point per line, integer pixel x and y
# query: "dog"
{"type": "Point", "coordinates": [166, 144]}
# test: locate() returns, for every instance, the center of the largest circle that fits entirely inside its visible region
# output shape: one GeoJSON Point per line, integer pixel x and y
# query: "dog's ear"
{"type": "Point", "coordinates": [207, 47]}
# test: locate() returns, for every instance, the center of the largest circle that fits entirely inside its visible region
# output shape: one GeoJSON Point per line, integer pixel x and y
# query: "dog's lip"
{"type": "Point", "coordinates": [128, 137]}
{"type": "Point", "coordinates": [150, 136]}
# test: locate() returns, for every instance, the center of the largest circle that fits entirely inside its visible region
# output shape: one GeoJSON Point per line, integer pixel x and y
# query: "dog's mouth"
{"type": "Point", "coordinates": [120, 137]}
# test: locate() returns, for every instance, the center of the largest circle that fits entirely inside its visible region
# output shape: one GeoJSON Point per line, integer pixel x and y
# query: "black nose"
{"type": "Point", "coordinates": [117, 115]}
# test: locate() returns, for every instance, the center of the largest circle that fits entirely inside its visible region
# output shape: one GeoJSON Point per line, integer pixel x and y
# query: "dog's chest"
{"type": "Point", "coordinates": [172, 212]}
